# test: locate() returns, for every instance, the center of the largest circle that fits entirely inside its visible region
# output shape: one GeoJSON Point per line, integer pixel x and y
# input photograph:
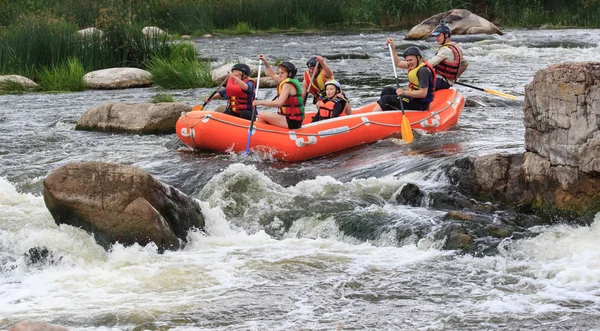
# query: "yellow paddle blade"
{"type": "Point", "coordinates": [500, 94]}
{"type": "Point", "coordinates": [197, 107]}
{"type": "Point", "coordinates": [406, 130]}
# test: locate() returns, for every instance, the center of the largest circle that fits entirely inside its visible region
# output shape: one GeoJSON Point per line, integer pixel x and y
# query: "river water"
{"type": "Point", "coordinates": [313, 245]}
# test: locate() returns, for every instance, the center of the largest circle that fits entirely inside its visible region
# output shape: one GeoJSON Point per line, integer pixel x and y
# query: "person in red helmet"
{"type": "Point", "coordinates": [315, 77]}
{"type": "Point", "coordinates": [239, 91]}
{"type": "Point", "coordinates": [289, 97]}
{"type": "Point", "coordinates": [421, 84]}
{"type": "Point", "coordinates": [449, 62]}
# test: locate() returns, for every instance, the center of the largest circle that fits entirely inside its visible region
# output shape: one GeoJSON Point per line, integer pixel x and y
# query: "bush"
{"type": "Point", "coordinates": [180, 70]}
{"type": "Point", "coordinates": [65, 77]}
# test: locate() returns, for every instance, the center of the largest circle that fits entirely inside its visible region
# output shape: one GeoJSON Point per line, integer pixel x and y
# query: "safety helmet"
{"type": "Point", "coordinates": [335, 83]}
{"type": "Point", "coordinates": [312, 62]}
{"type": "Point", "coordinates": [411, 51]}
{"type": "Point", "coordinates": [442, 28]}
{"type": "Point", "coordinates": [244, 68]}
{"type": "Point", "coordinates": [291, 68]}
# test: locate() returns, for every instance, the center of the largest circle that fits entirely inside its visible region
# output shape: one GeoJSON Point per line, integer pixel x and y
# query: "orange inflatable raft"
{"type": "Point", "coordinates": [214, 131]}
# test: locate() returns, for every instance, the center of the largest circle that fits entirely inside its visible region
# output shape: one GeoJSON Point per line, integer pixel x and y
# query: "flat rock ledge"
{"type": "Point", "coordinates": [560, 169]}
{"type": "Point", "coordinates": [146, 118]}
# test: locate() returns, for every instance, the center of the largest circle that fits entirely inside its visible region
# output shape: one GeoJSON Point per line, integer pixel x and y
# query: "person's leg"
{"type": "Point", "coordinates": [246, 114]}
{"type": "Point", "coordinates": [414, 104]}
{"type": "Point", "coordinates": [388, 91]}
{"type": "Point", "coordinates": [273, 119]}
{"type": "Point", "coordinates": [293, 125]}
{"type": "Point", "coordinates": [389, 102]}
{"type": "Point", "coordinates": [441, 83]}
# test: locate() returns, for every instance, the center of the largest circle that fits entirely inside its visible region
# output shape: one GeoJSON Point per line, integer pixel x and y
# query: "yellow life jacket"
{"type": "Point", "coordinates": [413, 80]}
{"type": "Point", "coordinates": [317, 87]}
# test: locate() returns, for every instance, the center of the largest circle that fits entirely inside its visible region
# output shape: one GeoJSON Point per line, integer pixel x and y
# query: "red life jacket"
{"type": "Point", "coordinates": [238, 99]}
{"type": "Point", "coordinates": [293, 107]}
{"type": "Point", "coordinates": [450, 69]}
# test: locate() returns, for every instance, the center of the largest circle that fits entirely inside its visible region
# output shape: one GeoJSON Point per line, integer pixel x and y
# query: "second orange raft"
{"type": "Point", "coordinates": [214, 131]}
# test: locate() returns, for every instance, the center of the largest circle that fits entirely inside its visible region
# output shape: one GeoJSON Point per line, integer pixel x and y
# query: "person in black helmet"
{"type": "Point", "coordinates": [322, 74]}
{"type": "Point", "coordinates": [289, 97]}
{"type": "Point", "coordinates": [239, 91]}
{"type": "Point", "coordinates": [421, 83]}
{"type": "Point", "coordinates": [448, 62]}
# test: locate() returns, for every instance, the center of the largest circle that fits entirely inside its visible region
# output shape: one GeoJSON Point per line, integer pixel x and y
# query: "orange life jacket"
{"type": "Point", "coordinates": [293, 107]}
{"type": "Point", "coordinates": [327, 107]}
{"type": "Point", "coordinates": [238, 99]}
{"type": "Point", "coordinates": [450, 69]}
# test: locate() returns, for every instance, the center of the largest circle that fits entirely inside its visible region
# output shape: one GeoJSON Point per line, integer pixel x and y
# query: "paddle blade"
{"type": "Point", "coordinates": [406, 130]}
{"type": "Point", "coordinates": [197, 108]}
{"type": "Point", "coordinates": [500, 94]}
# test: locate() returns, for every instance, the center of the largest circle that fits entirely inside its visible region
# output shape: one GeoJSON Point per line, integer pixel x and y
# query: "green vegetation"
{"type": "Point", "coordinates": [162, 97]}
{"type": "Point", "coordinates": [242, 28]}
{"type": "Point", "coordinates": [180, 70]}
{"type": "Point", "coordinates": [38, 37]}
{"type": "Point", "coordinates": [63, 77]}
{"type": "Point", "coordinates": [12, 87]}
{"type": "Point", "coordinates": [198, 16]}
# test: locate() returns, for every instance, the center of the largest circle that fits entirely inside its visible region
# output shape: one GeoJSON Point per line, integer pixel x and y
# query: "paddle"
{"type": "Point", "coordinates": [310, 83]}
{"type": "Point", "coordinates": [500, 94]}
{"type": "Point", "coordinates": [405, 129]}
{"type": "Point", "coordinates": [196, 107]}
{"type": "Point", "coordinates": [253, 110]}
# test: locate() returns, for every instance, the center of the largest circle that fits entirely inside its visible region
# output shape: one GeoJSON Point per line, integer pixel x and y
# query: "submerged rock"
{"type": "Point", "coordinates": [460, 21]}
{"type": "Point", "coordinates": [118, 203]}
{"type": "Point", "coordinates": [36, 326]}
{"type": "Point", "coordinates": [147, 118]}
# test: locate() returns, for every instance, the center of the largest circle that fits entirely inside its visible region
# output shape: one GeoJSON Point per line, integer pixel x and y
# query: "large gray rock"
{"type": "Point", "coordinates": [117, 78]}
{"type": "Point", "coordinates": [561, 169]}
{"type": "Point", "coordinates": [23, 81]}
{"type": "Point", "coordinates": [562, 115]}
{"type": "Point", "coordinates": [119, 203]}
{"type": "Point", "coordinates": [148, 118]}
{"type": "Point", "coordinates": [460, 21]}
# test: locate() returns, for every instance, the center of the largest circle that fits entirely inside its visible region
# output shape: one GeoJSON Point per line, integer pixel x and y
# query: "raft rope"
{"type": "Point", "coordinates": [208, 116]}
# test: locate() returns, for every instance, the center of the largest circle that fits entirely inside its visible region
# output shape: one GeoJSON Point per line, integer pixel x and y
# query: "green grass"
{"type": "Point", "coordinates": [242, 28]}
{"type": "Point", "coordinates": [162, 97]}
{"type": "Point", "coordinates": [12, 87]}
{"type": "Point", "coordinates": [180, 70]}
{"type": "Point", "coordinates": [64, 77]}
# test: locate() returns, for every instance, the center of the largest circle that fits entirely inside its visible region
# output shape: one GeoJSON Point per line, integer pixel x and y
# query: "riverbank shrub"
{"type": "Point", "coordinates": [39, 41]}
{"type": "Point", "coordinates": [181, 69]}
{"type": "Point", "coordinates": [66, 76]}
{"type": "Point", "coordinates": [162, 97]}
